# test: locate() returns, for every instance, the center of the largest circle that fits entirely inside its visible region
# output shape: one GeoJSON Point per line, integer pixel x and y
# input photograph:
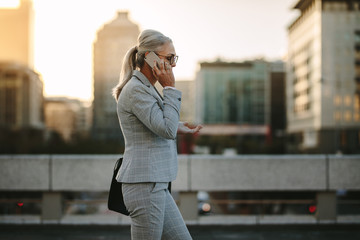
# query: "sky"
{"type": "Point", "coordinates": [202, 30]}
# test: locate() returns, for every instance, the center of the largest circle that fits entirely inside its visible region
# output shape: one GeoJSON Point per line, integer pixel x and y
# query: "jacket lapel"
{"type": "Point", "coordinates": [153, 91]}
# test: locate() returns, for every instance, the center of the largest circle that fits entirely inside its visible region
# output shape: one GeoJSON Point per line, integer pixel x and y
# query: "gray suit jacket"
{"type": "Point", "coordinates": [149, 125]}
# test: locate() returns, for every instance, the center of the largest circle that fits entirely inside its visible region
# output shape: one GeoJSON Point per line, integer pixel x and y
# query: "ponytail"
{"type": "Point", "coordinates": [129, 64]}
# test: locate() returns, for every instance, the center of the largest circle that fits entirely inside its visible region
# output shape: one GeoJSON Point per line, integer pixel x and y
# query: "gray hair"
{"type": "Point", "coordinates": [148, 41]}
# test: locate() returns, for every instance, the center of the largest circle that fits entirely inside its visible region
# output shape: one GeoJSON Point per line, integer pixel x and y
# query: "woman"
{"type": "Point", "coordinates": [150, 123]}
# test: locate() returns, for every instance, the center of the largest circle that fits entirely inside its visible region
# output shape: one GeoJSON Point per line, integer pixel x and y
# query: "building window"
{"type": "Point", "coordinates": [347, 116]}
{"type": "Point", "coordinates": [357, 37]}
{"type": "Point", "coordinates": [357, 57]}
{"type": "Point", "coordinates": [356, 102]}
{"type": "Point", "coordinates": [337, 116]}
{"type": "Point", "coordinates": [356, 117]}
{"type": "Point", "coordinates": [10, 100]}
{"type": "Point", "coordinates": [10, 75]}
{"type": "Point", "coordinates": [357, 70]}
{"type": "Point", "coordinates": [347, 101]}
{"type": "Point", "coordinates": [337, 100]}
{"type": "Point", "coordinates": [343, 138]}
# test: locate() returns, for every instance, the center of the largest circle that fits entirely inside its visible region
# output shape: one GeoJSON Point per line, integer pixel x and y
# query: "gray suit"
{"type": "Point", "coordinates": [149, 125]}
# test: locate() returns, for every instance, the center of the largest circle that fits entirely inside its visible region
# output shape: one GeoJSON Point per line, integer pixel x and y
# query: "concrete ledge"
{"type": "Point", "coordinates": [285, 172]}
{"type": "Point", "coordinates": [344, 172]}
{"type": "Point", "coordinates": [82, 172]}
{"type": "Point", "coordinates": [196, 172]}
{"type": "Point", "coordinates": [24, 172]}
{"type": "Point", "coordinates": [182, 182]}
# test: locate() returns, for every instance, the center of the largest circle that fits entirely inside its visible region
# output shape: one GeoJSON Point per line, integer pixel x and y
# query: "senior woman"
{"type": "Point", "coordinates": [150, 123]}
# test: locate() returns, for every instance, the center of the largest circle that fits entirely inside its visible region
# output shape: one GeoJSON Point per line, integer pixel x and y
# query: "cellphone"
{"type": "Point", "coordinates": [150, 58]}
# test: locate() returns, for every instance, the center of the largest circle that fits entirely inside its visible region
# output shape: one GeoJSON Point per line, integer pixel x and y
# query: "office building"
{"type": "Point", "coordinates": [233, 93]}
{"type": "Point", "coordinates": [21, 97]}
{"type": "Point", "coordinates": [111, 44]}
{"type": "Point", "coordinates": [17, 34]}
{"type": "Point", "coordinates": [323, 77]}
{"type": "Point", "coordinates": [235, 99]}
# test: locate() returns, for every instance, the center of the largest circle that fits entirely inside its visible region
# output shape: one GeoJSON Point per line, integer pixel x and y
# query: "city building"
{"type": "Point", "coordinates": [68, 117]}
{"type": "Point", "coordinates": [111, 44]}
{"type": "Point", "coordinates": [17, 35]}
{"type": "Point", "coordinates": [21, 97]}
{"type": "Point", "coordinates": [187, 111]}
{"type": "Point", "coordinates": [323, 77]}
{"type": "Point", "coordinates": [235, 98]}
{"type": "Point", "coordinates": [21, 88]}
{"type": "Point", "coordinates": [233, 93]}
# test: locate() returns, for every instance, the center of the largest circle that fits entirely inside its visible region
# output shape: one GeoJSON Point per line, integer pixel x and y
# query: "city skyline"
{"type": "Point", "coordinates": [65, 63]}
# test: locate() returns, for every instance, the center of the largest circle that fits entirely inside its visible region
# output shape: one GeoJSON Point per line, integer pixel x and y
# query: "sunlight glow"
{"type": "Point", "coordinates": [9, 3]}
{"type": "Point", "coordinates": [65, 31]}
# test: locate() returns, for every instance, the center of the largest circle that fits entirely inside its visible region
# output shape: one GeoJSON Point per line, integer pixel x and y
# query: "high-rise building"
{"type": "Point", "coordinates": [112, 42]}
{"type": "Point", "coordinates": [323, 77]}
{"type": "Point", "coordinates": [21, 89]}
{"type": "Point", "coordinates": [17, 35]}
{"type": "Point", "coordinates": [21, 97]}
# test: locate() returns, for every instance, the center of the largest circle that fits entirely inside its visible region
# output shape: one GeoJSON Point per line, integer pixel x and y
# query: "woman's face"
{"type": "Point", "coordinates": [168, 53]}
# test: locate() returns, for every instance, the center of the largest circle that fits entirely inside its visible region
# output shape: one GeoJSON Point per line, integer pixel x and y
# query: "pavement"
{"type": "Point", "coordinates": [215, 232]}
{"type": "Point", "coordinates": [111, 218]}
{"type": "Point", "coordinates": [112, 226]}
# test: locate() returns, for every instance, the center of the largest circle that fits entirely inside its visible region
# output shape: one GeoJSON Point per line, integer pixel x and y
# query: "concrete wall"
{"type": "Point", "coordinates": [25, 172]}
{"type": "Point", "coordinates": [196, 172]}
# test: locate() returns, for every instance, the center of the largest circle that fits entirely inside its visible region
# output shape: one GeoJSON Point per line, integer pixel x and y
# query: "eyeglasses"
{"type": "Point", "coordinates": [172, 59]}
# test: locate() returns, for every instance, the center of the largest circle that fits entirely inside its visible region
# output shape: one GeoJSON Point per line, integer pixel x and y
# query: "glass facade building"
{"type": "Point", "coordinates": [233, 93]}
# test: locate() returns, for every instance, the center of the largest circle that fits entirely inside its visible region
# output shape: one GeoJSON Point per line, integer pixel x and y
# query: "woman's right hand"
{"type": "Point", "coordinates": [164, 73]}
{"type": "Point", "coordinates": [186, 128]}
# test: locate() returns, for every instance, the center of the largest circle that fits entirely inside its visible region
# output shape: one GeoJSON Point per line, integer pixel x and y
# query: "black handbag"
{"type": "Point", "coordinates": [115, 199]}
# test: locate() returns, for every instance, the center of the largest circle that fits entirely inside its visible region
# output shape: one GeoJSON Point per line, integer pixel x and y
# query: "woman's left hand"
{"type": "Point", "coordinates": [186, 128]}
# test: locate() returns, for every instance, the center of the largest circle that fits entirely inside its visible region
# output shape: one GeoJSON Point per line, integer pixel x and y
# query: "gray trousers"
{"type": "Point", "coordinates": [153, 211]}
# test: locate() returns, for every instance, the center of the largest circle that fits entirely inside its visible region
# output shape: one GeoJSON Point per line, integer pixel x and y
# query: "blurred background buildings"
{"type": "Point", "coordinates": [70, 118]}
{"type": "Point", "coordinates": [110, 47]}
{"type": "Point", "coordinates": [306, 103]}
